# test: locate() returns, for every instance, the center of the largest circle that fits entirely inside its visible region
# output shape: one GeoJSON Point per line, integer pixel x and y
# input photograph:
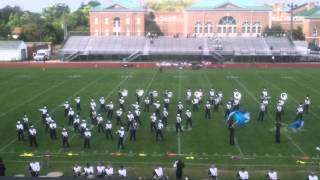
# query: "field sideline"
{"type": "Point", "coordinates": [27, 89]}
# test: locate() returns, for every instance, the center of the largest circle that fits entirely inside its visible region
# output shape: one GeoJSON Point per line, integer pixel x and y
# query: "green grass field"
{"type": "Point", "coordinates": [26, 90]}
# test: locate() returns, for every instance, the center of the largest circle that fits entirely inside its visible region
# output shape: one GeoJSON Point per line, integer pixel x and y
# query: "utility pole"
{"type": "Point", "coordinates": [291, 5]}
{"type": "Point", "coordinates": [65, 28]}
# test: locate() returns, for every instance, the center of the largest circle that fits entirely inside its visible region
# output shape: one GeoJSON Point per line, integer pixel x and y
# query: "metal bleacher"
{"type": "Point", "coordinates": [132, 46]}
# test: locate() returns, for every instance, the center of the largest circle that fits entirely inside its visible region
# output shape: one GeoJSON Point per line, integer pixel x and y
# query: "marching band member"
{"type": "Point", "coordinates": [87, 138]}
{"type": "Point", "coordinates": [137, 114]}
{"type": "Point", "coordinates": [121, 103]}
{"type": "Point", "coordinates": [272, 175]}
{"type": "Point", "coordinates": [109, 130]}
{"type": "Point", "coordinates": [19, 128]}
{"type": "Point", "coordinates": [120, 134]}
{"type": "Point", "coordinates": [195, 104]}
{"type": "Point", "coordinates": [312, 176]}
{"type": "Point", "coordinates": [262, 111]}
{"type": "Point", "coordinates": [133, 130]}
{"type": "Point", "coordinates": [159, 131]}
{"type": "Point", "coordinates": [101, 170]}
{"type": "Point", "coordinates": [77, 170]}
{"type": "Point", "coordinates": [102, 101]}
{"type": "Point", "coordinates": [66, 107]}
{"type": "Point", "coordinates": [44, 112]}
{"type": "Point", "coordinates": [207, 113]}
{"type": "Point", "coordinates": [189, 119]}
{"type": "Point", "coordinates": [78, 103]}
{"type": "Point", "coordinates": [179, 108]}
{"type": "Point", "coordinates": [25, 122]}
{"type": "Point", "coordinates": [299, 112]}
{"type": "Point", "coordinates": [279, 112]}
{"type": "Point", "coordinates": [213, 172]}
{"type": "Point", "coordinates": [33, 136]}
{"type": "Point", "coordinates": [100, 123]}
{"type": "Point", "coordinates": [65, 138]}
{"type": "Point", "coordinates": [53, 127]}
{"type": "Point", "coordinates": [88, 170]}
{"type": "Point", "coordinates": [110, 110]}
{"type": "Point", "coordinates": [34, 168]}
{"type": "Point", "coordinates": [189, 96]}
{"type": "Point", "coordinates": [178, 123]}
{"type": "Point", "coordinates": [157, 108]}
{"type": "Point", "coordinates": [228, 109]}
{"type": "Point", "coordinates": [130, 118]}
{"type": "Point", "coordinates": [146, 104]}
{"type": "Point", "coordinates": [165, 115]}
{"type": "Point", "coordinates": [243, 174]}
{"type": "Point", "coordinates": [119, 115]}
{"type": "Point", "coordinates": [83, 127]}
{"type": "Point", "coordinates": [306, 104]}
{"type": "Point", "coordinates": [153, 119]}
{"type": "Point", "coordinates": [93, 105]}
{"type": "Point", "coordinates": [76, 123]}
{"type": "Point", "coordinates": [71, 115]}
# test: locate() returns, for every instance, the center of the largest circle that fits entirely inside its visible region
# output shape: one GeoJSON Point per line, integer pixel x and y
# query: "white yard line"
{"type": "Point", "coordinates": [54, 109]}
{"type": "Point", "coordinates": [144, 95]}
{"type": "Point", "coordinates": [109, 94]}
{"type": "Point", "coordinates": [179, 97]}
{"type": "Point", "coordinates": [255, 99]}
{"type": "Point", "coordinates": [32, 98]}
{"type": "Point", "coordinates": [235, 138]}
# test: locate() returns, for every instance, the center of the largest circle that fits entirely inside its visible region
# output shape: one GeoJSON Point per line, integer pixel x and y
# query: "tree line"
{"type": "Point", "coordinates": [45, 26]}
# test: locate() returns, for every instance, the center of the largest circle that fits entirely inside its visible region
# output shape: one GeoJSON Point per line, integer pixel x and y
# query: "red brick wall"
{"type": "Point", "coordinates": [170, 23]}
{"type": "Point", "coordinates": [131, 23]}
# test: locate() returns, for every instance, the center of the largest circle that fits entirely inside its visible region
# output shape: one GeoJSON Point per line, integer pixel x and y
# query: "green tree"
{"type": "Point", "coordinates": [297, 34]}
{"type": "Point", "coordinates": [274, 30]}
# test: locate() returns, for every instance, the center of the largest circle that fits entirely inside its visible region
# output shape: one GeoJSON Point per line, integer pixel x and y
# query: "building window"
{"type": "Point", "coordinates": [208, 28]}
{"type": "Point", "coordinates": [256, 27]}
{"type": "Point", "coordinates": [246, 27]}
{"type": "Point", "coordinates": [198, 28]}
{"type": "Point", "coordinates": [106, 21]}
{"type": "Point", "coordinates": [138, 20]}
{"type": "Point", "coordinates": [127, 20]}
{"type": "Point", "coordinates": [96, 21]}
{"type": "Point", "coordinates": [116, 22]}
{"type": "Point", "coordinates": [227, 24]}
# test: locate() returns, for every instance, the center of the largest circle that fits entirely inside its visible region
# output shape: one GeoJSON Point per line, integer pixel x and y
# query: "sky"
{"type": "Point", "coordinates": [38, 5]}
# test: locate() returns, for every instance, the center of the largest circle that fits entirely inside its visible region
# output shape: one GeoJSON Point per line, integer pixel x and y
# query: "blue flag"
{"type": "Point", "coordinates": [297, 124]}
{"type": "Point", "coordinates": [240, 118]}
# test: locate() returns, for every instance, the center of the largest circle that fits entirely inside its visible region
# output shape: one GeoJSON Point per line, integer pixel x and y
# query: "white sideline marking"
{"type": "Point", "coordinates": [54, 109]}
{"type": "Point", "coordinates": [254, 98]}
{"type": "Point", "coordinates": [32, 98]}
{"type": "Point", "coordinates": [75, 76]}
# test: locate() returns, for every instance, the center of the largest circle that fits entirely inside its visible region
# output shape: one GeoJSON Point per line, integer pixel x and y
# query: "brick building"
{"type": "Point", "coordinates": [203, 18]}
{"type": "Point", "coordinates": [121, 17]}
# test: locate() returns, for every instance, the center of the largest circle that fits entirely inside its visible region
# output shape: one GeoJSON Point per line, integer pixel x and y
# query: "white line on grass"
{"type": "Point", "coordinates": [152, 163]}
{"type": "Point", "coordinates": [109, 94]}
{"type": "Point", "coordinates": [235, 138]}
{"type": "Point", "coordinates": [54, 109]}
{"type": "Point", "coordinates": [144, 95]}
{"type": "Point", "coordinates": [179, 97]}
{"type": "Point", "coordinates": [254, 98]}
{"type": "Point", "coordinates": [32, 98]}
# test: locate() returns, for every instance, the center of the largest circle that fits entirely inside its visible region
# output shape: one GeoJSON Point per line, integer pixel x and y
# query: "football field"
{"type": "Point", "coordinates": [28, 89]}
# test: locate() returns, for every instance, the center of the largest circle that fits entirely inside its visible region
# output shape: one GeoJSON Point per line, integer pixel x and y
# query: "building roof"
{"type": "Point", "coordinates": [119, 5]}
{"type": "Point", "coordinates": [229, 5]}
{"type": "Point", "coordinates": [10, 45]}
{"type": "Point", "coordinates": [312, 13]}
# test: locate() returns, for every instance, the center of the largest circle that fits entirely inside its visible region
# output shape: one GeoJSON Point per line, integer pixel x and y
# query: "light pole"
{"type": "Point", "coordinates": [291, 5]}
